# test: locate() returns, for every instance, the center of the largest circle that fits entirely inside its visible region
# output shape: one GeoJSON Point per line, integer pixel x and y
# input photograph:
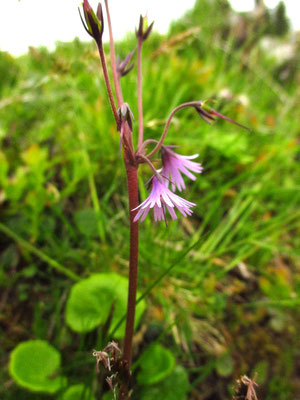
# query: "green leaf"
{"type": "Point", "coordinates": [261, 369]}
{"type": "Point", "coordinates": [3, 168]}
{"type": "Point", "coordinates": [224, 364]}
{"type": "Point", "coordinates": [174, 387]}
{"type": "Point", "coordinates": [91, 300]}
{"type": "Point", "coordinates": [9, 257]}
{"type": "Point", "coordinates": [86, 222]}
{"type": "Point", "coordinates": [107, 396]}
{"type": "Point", "coordinates": [35, 156]}
{"type": "Point", "coordinates": [156, 363]}
{"type": "Point", "coordinates": [33, 365]}
{"type": "Point", "coordinates": [78, 392]}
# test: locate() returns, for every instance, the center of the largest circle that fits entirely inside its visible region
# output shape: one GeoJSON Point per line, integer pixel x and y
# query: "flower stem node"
{"type": "Point", "coordinates": [174, 165]}
{"type": "Point", "coordinates": [144, 30]}
{"type": "Point", "coordinates": [125, 114]}
{"type": "Point", "coordinates": [94, 22]}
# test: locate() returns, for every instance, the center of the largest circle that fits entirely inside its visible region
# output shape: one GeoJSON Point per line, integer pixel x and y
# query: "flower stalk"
{"type": "Point", "coordinates": [140, 98]}
{"type": "Point", "coordinates": [107, 82]}
{"type": "Point", "coordinates": [132, 187]}
{"type": "Point", "coordinates": [113, 58]}
{"type": "Point", "coordinates": [161, 198]}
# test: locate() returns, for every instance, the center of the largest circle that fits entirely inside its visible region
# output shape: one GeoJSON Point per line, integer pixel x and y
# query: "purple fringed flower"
{"type": "Point", "coordinates": [175, 164]}
{"type": "Point", "coordinates": [161, 198]}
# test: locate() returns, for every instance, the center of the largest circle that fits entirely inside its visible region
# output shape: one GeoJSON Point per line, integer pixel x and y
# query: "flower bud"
{"type": "Point", "coordinates": [125, 114]}
{"type": "Point", "coordinates": [122, 65]}
{"type": "Point", "coordinates": [144, 30]}
{"type": "Point", "coordinates": [94, 23]}
{"type": "Point", "coordinates": [208, 114]}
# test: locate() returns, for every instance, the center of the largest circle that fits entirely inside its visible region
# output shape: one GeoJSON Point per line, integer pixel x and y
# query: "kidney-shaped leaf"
{"type": "Point", "coordinates": [224, 364]}
{"type": "Point", "coordinates": [91, 301]}
{"type": "Point", "coordinates": [77, 392]}
{"type": "Point", "coordinates": [156, 363]}
{"type": "Point", "coordinates": [34, 364]}
{"type": "Point", "coordinates": [174, 387]}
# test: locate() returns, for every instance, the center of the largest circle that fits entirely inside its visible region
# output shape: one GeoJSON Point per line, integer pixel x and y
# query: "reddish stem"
{"type": "Point", "coordinates": [113, 58]}
{"type": "Point", "coordinates": [107, 83]}
{"type": "Point", "coordinates": [140, 99]}
{"type": "Point", "coordinates": [132, 184]}
{"type": "Point", "coordinates": [160, 142]}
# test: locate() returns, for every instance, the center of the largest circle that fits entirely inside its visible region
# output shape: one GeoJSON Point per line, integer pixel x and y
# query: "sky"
{"type": "Point", "coordinates": [26, 23]}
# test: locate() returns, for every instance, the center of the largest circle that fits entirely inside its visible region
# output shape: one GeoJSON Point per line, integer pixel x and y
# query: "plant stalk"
{"type": "Point", "coordinates": [160, 142]}
{"type": "Point", "coordinates": [113, 58]}
{"type": "Point", "coordinates": [140, 99]}
{"type": "Point", "coordinates": [132, 184]}
{"type": "Point", "coordinates": [107, 83]}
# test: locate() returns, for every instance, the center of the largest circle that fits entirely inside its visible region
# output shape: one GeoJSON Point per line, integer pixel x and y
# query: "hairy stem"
{"type": "Point", "coordinates": [140, 99]}
{"type": "Point", "coordinates": [107, 83]}
{"type": "Point", "coordinates": [160, 142]}
{"type": "Point", "coordinates": [113, 58]}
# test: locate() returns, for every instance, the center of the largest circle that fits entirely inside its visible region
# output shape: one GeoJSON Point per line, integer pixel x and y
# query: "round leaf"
{"type": "Point", "coordinates": [174, 387]}
{"type": "Point", "coordinates": [156, 363]}
{"type": "Point", "coordinates": [33, 365]}
{"type": "Point", "coordinates": [224, 364]}
{"type": "Point", "coordinates": [92, 299]}
{"type": "Point", "coordinates": [78, 392]}
{"type": "Point", "coordinates": [261, 369]}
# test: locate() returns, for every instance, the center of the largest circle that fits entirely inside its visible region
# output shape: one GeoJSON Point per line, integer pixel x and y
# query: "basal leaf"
{"type": "Point", "coordinates": [34, 365]}
{"type": "Point", "coordinates": [91, 300]}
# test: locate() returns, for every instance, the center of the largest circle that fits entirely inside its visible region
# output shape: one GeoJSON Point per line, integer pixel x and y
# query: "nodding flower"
{"type": "Point", "coordinates": [160, 199]}
{"type": "Point", "coordinates": [174, 165]}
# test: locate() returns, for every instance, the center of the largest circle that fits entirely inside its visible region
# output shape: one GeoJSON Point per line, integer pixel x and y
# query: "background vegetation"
{"type": "Point", "coordinates": [229, 301]}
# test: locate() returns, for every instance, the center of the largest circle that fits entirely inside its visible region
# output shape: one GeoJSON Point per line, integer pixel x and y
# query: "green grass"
{"type": "Point", "coordinates": [225, 280]}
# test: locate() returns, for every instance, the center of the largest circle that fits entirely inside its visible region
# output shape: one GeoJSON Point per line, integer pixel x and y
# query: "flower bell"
{"type": "Point", "coordinates": [174, 165]}
{"type": "Point", "coordinates": [160, 199]}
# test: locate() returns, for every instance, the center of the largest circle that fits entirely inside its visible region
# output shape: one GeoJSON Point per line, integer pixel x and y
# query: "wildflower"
{"type": "Point", "coordinates": [161, 198]}
{"type": "Point", "coordinates": [175, 164]}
